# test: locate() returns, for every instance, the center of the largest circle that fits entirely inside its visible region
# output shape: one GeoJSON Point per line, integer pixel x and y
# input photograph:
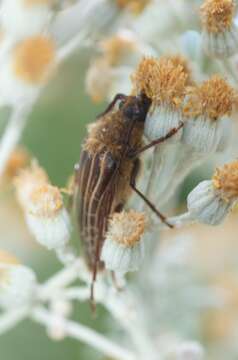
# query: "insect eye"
{"type": "Point", "coordinates": [129, 112]}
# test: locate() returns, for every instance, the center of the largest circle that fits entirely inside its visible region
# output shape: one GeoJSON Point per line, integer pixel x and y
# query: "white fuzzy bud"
{"type": "Point", "coordinates": [204, 135]}
{"type": "Point", "coordinates": [219, 34]}
{"type": "Point", "coordinates": [162, 120]}
{"type": "Point", "coordinates": [51, 232]}
{"type": "Point", "coordinates": [17, 285]}
{"type": "Point", "coordinates": [123, 249]}
{"type": "Point", "coordinates": [222, 44]}
{"type": "Point", "coordinates": [43, 206]}
{"type": "Point", "coordinates": [206, 204]}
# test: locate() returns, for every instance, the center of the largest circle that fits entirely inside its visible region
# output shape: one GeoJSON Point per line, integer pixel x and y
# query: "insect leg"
{"type": "Point", "coordinates": [147, 201]}
{"type": "Point", "coordinates": [112, 104]}
{"type": "Point", "coordinates": [158, 141]}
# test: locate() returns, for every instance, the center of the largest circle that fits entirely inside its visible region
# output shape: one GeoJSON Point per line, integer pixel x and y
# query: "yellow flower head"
{"type": "Point", "coordinates": [213, 99]}
{"type": "Point", "coordinates": [225, 180]}
{"type": "Point", "coordinates": [163, 80]}
{"type": "Point", "coordinates": [45, 201]}
{"type": "Point", "coordinates": [126, 228]}
{"type": "Point", "coordinates": [217, 15]}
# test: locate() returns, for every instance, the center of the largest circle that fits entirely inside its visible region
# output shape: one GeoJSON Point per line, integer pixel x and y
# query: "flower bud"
{"type": "Point", "coordinates": [44, 210]}
{"type": "Point", "coordinates": [17, 282]}
{"type": "Point", "coordinates": [220, 35]}
{"type": "Point", "coordinates": [207, 106]}
{"type": "Point", "coordinates": [212, 200]}
{"type": "Point", "coordinates": [123, 249]}
{"type": "Point", "coordinates": [164, 81]}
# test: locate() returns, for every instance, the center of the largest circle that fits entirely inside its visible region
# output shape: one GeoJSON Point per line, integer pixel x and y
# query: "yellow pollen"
{"type": "Point", "coordinates": [18, 160]}
{"type": "Point", "coordinates": [135, 6]}
{"type": "Point", "coordinates": [32, 59]}
{"type": "Point", "coordinates": [45, 201]}
{"type": "Point", "coordinates": [126, 228]}
{"type": "Point", "coordinates": [217, 15]}
{"type": "Point", "coordinates": [8, 259]}
{"type": "Point", "coordinates": [180, 60]}
{"type": "Point", "coordinates": [225, 180]}
{"type": "Point", "coordinates": [116, 48]}
{"type": "Point", "coordinates": [162, 80]}
{"type": "Point", "coordinates": [213, 99]}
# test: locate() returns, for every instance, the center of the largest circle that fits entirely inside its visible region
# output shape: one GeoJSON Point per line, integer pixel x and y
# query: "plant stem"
{"type": "Point", "coordinates": [65, 277]}
{"type": "Point", "coordinates": [11, 317]}
{"type": "Point", "coordinates": [82, 333]}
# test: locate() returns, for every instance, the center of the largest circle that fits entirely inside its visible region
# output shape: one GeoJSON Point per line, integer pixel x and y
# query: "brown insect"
{"type": "Point", "coordinates": [107, 171]}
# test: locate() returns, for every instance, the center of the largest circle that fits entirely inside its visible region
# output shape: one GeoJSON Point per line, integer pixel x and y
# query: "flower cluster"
{"type": "Point", "coordinates": [193, 102]}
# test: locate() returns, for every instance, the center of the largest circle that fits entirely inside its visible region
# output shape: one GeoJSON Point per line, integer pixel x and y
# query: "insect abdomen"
{"type": "Point", "coordinates": [96, 182]}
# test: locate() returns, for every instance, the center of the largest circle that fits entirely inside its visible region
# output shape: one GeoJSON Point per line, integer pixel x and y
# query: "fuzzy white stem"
{"type": "Point", "coordinates": [126, 312]}
{"type": "Point", "coordinates": [11, 318]}
{"type": "Point", "coordinates": [176, 221]}
{"type": "Point", "coordinates": [82, 333]}
{"type": "Point", "coordinates": [12, 134]}
{"type": "Point", "coordinates": [65, 277]}
{"type": "Point", "coordinates": [77, 293]}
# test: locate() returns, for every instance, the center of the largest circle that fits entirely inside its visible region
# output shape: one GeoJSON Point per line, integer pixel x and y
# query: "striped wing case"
{"type": "Point", "coordinates": [95, 200]}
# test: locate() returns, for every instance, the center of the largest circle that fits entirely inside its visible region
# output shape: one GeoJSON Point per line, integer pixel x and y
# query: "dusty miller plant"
{"type": "Point", "coordinates": [183, 55]}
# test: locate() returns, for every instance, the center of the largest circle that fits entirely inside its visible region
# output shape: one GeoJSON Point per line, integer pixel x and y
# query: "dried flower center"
{"type": "Point", "coordinates": [217, 15]}
{"type": "Point", "coordinates": [32, 59]}
{"type": "Point", "coordinates": [45, 201]}
{"type": "Point", "coordinates": [135, 6]}
{"type": "Point", "coordinates": [225, 180]}
{"type": "Point", "coordinates": [163, 81]}
{"type": "Point", "coordinates": [126, 228]}
{"type": "Point", "coordinates": [213, 99]}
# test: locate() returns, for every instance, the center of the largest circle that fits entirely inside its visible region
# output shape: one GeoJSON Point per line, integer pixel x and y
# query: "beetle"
{"type": "Point", "coordinates": [107, 171]}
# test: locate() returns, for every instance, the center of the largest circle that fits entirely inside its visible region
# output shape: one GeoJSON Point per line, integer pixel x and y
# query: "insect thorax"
{"type": "Point", "coordinates": [110, 132]}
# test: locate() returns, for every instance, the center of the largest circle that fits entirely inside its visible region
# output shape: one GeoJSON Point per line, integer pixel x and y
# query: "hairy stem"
{"type": "Point", "coordinates": [11, 318]}
{"type": "Point", "coordinates": [83, 333]}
